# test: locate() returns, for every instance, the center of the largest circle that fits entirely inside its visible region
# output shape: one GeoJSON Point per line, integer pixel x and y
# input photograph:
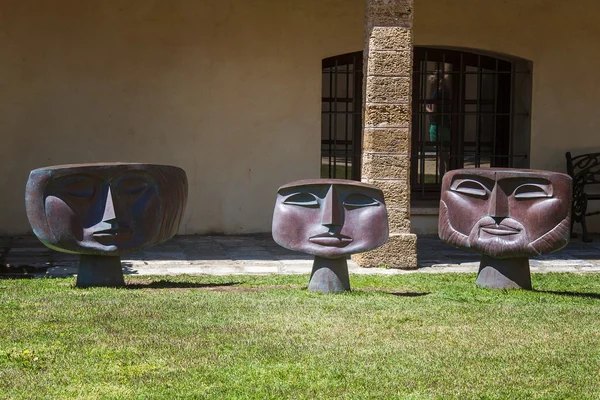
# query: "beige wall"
{"type": "Point", "coordinates": [229, 90]}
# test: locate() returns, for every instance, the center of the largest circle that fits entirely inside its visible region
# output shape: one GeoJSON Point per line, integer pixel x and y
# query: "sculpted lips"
{"type": "Point", "coordinates": [112, 232]}
{"type": "Point", "coordinates": [499, 230]}
{"type": "Point", "coordinates": [331, 239]}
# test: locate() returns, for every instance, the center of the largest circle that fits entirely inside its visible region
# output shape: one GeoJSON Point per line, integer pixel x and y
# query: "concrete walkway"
{"type": "Point", "coordinates": [258, 254]}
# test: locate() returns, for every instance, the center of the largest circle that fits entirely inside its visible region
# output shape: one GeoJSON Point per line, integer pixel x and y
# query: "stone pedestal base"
{"type": "Point", "coordinates": [400, 251]}
{"type": "Point", "coordinates": [99, 271]}
{"type": "Point", "coordinates": [508, 273]}
{"type": "Point", "coordinates": [329, 275]}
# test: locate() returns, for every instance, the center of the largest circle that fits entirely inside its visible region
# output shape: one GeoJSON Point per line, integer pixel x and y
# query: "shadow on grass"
{"type": "Point", "coordinates": [392, 293]}
{"type": "Point", "coordinates": [401, 294]}
{"type": "Point", "coordinates": [571, 294]}
{"type": "Point", "coordinates": [163, 284]}
{"type": "Point", "coordinates": [16, 276]}
{"type": "Point", "coordinates": [21, 272]}
{"type": "Point", "coordinates": [406, 294]}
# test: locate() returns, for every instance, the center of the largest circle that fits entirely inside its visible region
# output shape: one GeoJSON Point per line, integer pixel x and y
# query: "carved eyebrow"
{"type": "Point", "coordinates": [80, 186]}
{"type": "Point", "coordinates": [356, 200]}
{"type": "Point", "coordinates": [302, 199]}
{"type": "Point", "coordinates": [133, 185]}
{"type": "Point", "coordinates": [470, 187]}
{"type": "Point", "coordinates": [533, 191]}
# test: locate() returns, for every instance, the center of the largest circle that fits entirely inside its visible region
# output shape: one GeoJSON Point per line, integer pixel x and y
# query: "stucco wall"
{"type": "Point", "coordinates": [229, 90]}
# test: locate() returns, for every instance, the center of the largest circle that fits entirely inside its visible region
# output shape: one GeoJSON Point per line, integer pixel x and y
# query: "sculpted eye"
{"type": "Point", "coordinates": [79, 188]}
{"type": "Point", "coordinates": [533, 191]}
{"type": "Point", "coordinates": [357, 200]}
{"type": "Point", "coordinates": [133, 186]}
{"type": "Point", "coordinates": [302, 200]}
{"type": "Point", "coordinates": [470, 188]}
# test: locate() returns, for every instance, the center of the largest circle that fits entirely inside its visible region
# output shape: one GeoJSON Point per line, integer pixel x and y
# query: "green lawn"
{"type": "Point", "coordinates": [411, 336]}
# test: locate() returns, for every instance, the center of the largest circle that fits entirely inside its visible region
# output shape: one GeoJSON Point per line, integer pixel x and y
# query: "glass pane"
{"type": "Point", "coordinates": [488, 85]}
{"type": "Point", "coordinates": [339, 81]}
{"type": "Point", "coordinates": [325, 86]}
{"type": "Point", "coordinates": [471, 83]}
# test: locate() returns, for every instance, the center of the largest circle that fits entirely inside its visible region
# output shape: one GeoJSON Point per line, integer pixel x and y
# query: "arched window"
{"type": "Point", "coordinates": [469, 111]}
{"type": "Point", "coordinates": [341, 116]}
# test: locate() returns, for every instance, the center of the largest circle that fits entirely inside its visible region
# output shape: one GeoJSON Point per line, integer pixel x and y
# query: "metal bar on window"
{"type": "Point", "coordinates": [346, 121]}
{"type": "Point", "coordinates": [424, 126]}
{"type": "Point", "coordinates": [335, 114]}
{"type": "Point", "coordinates": [511, 116]}
{"type": "Point", "coordinates": [357, 116]}
{"type": "Point", "coordinates": [435, 115]}
{"type": "Point", "coordinates": [493, 158]}
{"type": "Point", "coordinates": [461, 109]}
{"type": "Point", "coordinates": [478, 117]}
{"type": "Point", "coordinates": [330, 119]}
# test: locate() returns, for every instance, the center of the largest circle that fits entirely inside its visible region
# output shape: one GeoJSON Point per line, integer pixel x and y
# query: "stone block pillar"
{"type": "Point", "coordinates": [386, 124]}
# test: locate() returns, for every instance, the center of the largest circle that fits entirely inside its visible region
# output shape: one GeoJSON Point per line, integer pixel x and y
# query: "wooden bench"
{"type": "Point", "coordinates": [585, 171]}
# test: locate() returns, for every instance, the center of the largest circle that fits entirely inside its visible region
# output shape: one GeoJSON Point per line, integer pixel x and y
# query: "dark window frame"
{"type": "Point", "coordinates": [343, 155]}
{"type": "Point", "coordinates": [342, 158]}
{"type": "Point", "coordinates": [453, 154]}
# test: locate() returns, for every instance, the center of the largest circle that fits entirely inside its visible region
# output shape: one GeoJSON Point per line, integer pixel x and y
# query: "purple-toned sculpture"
{"type": "Point", "coordinates": [330, 219]}
{"type": "Point", "coordinates": [507, 215]}
{"type": "Point", "coordinates": [101, 211]}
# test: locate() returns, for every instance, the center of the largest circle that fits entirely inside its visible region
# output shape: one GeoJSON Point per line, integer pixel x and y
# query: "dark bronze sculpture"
{"type": "Point", "coordinates": [101, 211]}
{"type": "Point", "coordinates": [508, 215]}
{"type": "Point", "coordinates": [330, 219]}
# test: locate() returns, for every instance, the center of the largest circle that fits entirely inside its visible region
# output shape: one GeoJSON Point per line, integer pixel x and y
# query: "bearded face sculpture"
{"type": "Point", "coordinates": [506, 214]}
{"type": "Point", "coordinates": [330, 219]}
{"type": "Point", "coordinates": [105, 210]}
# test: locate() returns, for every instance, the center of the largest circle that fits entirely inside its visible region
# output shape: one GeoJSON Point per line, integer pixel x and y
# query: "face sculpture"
{"type": "Point", "coordinates": [505, 213]}
{"type": "Point", "coordinates": [330, 218]}
{"type": "Point", "coordinates": [105, 209]}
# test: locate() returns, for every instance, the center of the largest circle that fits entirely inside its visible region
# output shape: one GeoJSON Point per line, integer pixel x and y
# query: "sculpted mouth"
{"type": "Point", "coordinates": [499, 230]}
{"type": "Point", "coordinates": [331, 239]}
{"type": "Point", "coordinates": [112, 232]}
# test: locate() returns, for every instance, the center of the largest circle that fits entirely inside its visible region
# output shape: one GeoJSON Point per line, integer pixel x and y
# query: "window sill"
{"type": "Point", "coordinates": [424, 210]}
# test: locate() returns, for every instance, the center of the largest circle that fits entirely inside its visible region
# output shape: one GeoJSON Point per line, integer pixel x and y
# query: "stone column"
{"type": "Point", "coordinates": [387, 119]}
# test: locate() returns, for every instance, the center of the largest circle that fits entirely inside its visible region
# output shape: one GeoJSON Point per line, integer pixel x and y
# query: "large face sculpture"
{"type": "Point", "coordinates": [105, 209]}
{"type": "Point", "coordinates": [505, 213]}
{"type": "Point", "coordinates": [330, 218]}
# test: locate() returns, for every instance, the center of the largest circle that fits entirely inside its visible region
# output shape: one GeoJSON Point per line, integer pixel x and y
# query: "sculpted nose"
{"type": "Point", "coordinates": [498, 205]}
{"type": "Point", "coordinates": [332, 210]}
{"type": "Point", "coordinates": [109, 208]}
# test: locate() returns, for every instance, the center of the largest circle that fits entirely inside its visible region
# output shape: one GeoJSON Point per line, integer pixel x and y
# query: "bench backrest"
{"type": "Point", "coordinates": [584, 169]}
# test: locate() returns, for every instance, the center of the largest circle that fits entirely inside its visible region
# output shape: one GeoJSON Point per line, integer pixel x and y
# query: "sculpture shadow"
{"type": "Point", "coordinates": [571, 294]}
{"type": "Point", "coordinates": [164, 284]}
{"type": "Point", "coordinates": [16, 276]}
{"type": "Point", "coordinates": [409, 294]}
{"type": "Point", "coordinates": [393, 293]}
{"type": "Point", "coordinates": [21, 272]}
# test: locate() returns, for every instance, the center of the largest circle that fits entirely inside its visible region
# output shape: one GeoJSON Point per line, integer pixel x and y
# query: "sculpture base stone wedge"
{"type": "Point", "coordinates": [329, 275]}
{"type": "Point", "coordinates": [99, 271]}
{"type": "Point", "coordinates": [507, 273]}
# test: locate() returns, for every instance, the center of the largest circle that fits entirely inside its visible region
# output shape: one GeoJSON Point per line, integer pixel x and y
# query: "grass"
{"type": "Point", "coordinates": [410, 336]}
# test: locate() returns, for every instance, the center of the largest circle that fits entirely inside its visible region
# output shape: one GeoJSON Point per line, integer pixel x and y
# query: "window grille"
{"type": "Point", "coordinates": [463, 116]}
{"type": "Point", "coordinates": [341, 122]}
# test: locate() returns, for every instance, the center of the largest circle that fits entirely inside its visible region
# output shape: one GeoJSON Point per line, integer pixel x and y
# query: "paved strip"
{"type": "Point", "coordinates": [259, 255]}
